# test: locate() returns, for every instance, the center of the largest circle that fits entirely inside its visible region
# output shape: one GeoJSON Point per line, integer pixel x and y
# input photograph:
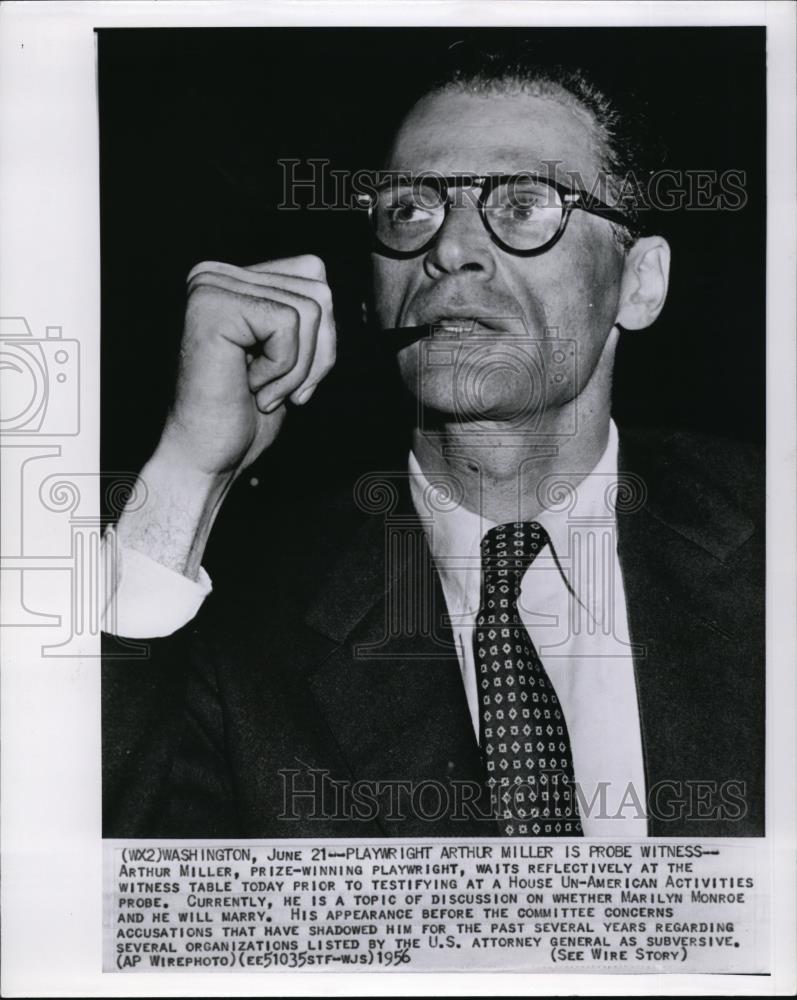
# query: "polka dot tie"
{"type": "Point", "coordinates": [524, 739]}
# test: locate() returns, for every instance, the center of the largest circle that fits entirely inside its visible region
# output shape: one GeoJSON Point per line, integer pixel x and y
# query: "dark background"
{"type": "Point", "coordinates": [192, 123]}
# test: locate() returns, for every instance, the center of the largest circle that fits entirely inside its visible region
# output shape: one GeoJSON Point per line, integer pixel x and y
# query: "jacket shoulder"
{"type": "Point", "coordinates": [710, 488]}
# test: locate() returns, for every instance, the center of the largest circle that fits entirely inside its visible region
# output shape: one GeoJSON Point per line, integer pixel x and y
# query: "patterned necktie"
{"type": "Point", "coordinates": [524, 737]}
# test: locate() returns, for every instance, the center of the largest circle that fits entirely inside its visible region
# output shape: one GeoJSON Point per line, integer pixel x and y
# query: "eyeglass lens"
{"type": "Point", "coordinates": [523, 213]}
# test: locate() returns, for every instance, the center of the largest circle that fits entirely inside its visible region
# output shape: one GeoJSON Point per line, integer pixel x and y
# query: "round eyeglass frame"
{"type": "Point", "coordinates": [571, 198]}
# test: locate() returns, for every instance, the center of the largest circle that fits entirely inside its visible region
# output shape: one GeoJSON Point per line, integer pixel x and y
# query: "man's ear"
{"type": "Point", "coordinates": [643, 289]}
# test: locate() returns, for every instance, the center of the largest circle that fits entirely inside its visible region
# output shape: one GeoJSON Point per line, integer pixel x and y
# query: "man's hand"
{"type": "Point", "coordinates": [254, 338]}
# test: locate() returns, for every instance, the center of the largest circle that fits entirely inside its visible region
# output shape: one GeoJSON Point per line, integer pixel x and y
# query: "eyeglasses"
{"type": "Point", "coordinates": [525, 214]}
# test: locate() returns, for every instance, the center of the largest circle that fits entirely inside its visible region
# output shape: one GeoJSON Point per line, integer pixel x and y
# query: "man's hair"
{"type": "Point", "coordinates": [522, 68]}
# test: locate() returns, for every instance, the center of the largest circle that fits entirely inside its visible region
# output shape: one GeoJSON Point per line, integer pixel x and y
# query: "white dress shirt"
{"type": "Point", "coordinates": [581, 637]}
{"type": "Point", "coordinates": [145, 599]}
{"type": "Point", "coordinates": [572, 604]}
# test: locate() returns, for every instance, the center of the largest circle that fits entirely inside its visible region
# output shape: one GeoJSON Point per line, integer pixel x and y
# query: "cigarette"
{"type": "Point", "coordinates": [399, 337]}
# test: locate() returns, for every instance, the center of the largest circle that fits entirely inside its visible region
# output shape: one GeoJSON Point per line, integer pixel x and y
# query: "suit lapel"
{"type": "Point", "coordinates": [391, 692]}
{"type": "Point", "coordinates": [694, 667]}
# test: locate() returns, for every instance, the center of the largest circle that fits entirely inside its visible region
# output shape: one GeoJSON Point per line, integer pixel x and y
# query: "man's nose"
{"type": "Point", "coordinates": [462, 244]}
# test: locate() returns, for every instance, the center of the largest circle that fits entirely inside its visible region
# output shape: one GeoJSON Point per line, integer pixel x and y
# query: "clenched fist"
{"type": "Point", "coordinates": [254, 338]}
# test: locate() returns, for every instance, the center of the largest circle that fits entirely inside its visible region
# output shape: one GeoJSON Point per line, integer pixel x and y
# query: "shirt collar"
{"type": "Point", "coordinates": [455, 532]}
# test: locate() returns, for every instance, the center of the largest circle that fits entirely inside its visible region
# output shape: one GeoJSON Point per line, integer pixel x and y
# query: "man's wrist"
{"type": "Point", "coordinates": [172, 522]}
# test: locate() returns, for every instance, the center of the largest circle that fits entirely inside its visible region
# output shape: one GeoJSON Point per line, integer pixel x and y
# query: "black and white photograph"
{"type": "Point", "coordinates": [450, 518]}
{"type": "Point", "coordinates": [398, 566]}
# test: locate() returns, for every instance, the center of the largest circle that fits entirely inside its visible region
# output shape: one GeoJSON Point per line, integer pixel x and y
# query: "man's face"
{"type": "Point", "coordinates": [512, 363]}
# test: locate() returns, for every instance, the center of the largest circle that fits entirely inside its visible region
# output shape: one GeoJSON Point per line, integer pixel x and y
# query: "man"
{"type": "Point", "coordinates": [540, 626]}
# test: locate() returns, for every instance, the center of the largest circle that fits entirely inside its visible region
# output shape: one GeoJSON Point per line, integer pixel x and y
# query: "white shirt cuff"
{"type": "Point", "coordinates": [144, 599]}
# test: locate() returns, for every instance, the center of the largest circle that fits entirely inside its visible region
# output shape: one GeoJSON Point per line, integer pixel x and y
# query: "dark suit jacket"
{"type": "Point", "coordinates": [306, 676]}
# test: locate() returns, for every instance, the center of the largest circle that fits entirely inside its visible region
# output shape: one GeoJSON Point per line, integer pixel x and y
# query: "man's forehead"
{"type": "Point", "coordinates": [458, 132]}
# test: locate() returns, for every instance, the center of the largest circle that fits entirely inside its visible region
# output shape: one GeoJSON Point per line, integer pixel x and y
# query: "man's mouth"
{"type": "Point", "coordinates": [460, 325]}
{"type": "Point", "coordinates": [457, 326]}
